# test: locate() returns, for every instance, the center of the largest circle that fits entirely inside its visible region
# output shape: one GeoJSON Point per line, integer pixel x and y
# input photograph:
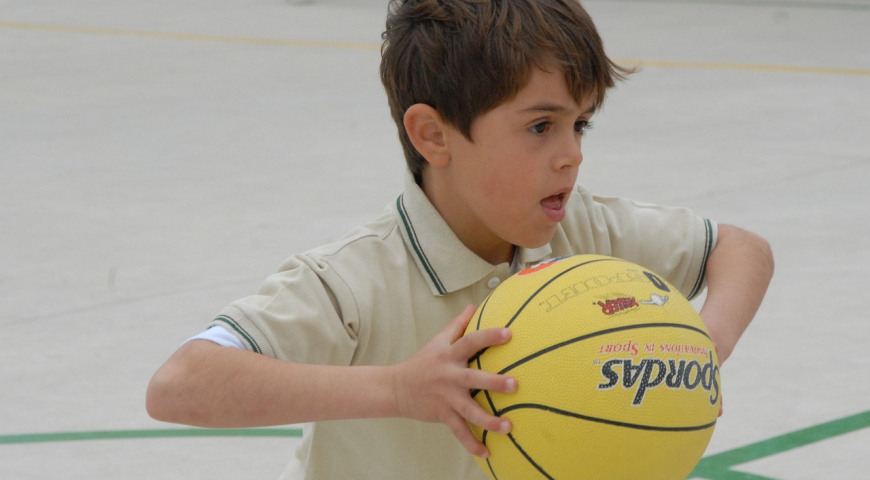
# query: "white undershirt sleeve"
{"type": "Point", "coordinates": [715, 228]}
{"type": "Point", "coordinates": [220, 336]}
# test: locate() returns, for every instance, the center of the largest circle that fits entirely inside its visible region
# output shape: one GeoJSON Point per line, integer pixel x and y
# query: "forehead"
{"type": "Point", "coordinates": [547, 91]}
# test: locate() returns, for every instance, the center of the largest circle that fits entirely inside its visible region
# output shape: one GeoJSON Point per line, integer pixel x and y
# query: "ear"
{"type": "Point", "coordinates": [428, 133]}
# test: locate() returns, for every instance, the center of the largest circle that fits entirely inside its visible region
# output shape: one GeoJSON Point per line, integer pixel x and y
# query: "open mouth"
{"type": "Point", "coordinates": [554, 206]}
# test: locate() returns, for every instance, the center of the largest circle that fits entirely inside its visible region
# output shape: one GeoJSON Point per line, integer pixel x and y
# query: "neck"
{"type": "Point", "coordinates": [477, 238]}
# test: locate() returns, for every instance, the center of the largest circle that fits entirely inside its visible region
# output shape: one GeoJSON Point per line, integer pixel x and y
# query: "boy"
{"type": "Point", "coordinates": [491, 98]}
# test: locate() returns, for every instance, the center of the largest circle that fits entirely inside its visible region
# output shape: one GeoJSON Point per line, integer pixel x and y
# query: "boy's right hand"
{"type": "Point", "coordinates": [434, 385]}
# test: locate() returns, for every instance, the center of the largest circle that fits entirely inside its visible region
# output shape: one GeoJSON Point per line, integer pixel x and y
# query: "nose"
{"type": "Point", "coordinates": [570, 155]}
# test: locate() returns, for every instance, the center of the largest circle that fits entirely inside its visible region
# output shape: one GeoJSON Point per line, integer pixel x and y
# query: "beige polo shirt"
{"type": "Point", "coordinates": [379, 294]}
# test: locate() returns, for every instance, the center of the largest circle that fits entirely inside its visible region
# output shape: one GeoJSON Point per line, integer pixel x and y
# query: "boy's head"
{"type": "Point", "coordinates": [465, 57]}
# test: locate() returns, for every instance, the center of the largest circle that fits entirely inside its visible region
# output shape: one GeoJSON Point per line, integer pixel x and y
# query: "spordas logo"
{"type": "Point", "coordinates": [652, 372]}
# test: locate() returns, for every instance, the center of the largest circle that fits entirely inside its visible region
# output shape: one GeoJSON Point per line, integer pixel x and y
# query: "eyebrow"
{"type": "Point", "coordinates": [552, 108]}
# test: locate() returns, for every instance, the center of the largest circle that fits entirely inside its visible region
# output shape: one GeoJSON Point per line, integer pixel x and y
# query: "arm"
{"type": "Point", "coordinates": [207, 385]}
{"type": "Point", "coordinates": [204, 384]}
{"type": "Point", "coordinates": [738, 272]}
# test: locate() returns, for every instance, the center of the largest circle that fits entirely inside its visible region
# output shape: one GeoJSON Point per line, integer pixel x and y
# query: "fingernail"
{"type": "Point", "coordinates": [505, 427]}
{"type": "Point", "coordinates": [484, 454]}
{"type": "Point", "coordinates": [511, 385]}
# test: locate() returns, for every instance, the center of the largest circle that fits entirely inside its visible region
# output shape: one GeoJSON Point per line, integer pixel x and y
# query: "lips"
{"type": "Point", "coordinates": [554, 207]}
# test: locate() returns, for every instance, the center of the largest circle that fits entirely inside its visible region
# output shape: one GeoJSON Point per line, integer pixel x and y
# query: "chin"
{"type": "Point", "coordinates": [539, 240]}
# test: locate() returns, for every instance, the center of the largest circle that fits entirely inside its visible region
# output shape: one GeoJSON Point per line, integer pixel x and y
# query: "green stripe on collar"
{"type": "Point", "coordinates": [412, 236]}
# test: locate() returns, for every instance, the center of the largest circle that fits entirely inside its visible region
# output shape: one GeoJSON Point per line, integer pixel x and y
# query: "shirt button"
{"type": "Point", "coordinates": [493, 282]}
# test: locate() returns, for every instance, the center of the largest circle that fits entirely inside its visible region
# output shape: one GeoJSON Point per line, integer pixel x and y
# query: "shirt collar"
{"type": "Point", "coordinates": [442, 258]}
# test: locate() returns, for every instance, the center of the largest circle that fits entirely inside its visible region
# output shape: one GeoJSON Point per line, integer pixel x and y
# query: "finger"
{"type": "Point", "coordinates": [470, 344]}
{"type": "Point", "coordinates": [474, 413]}
{"type": "Point", "coordinates": [462, 433]}
{"type": "Point", "coordinates": [456, 328]}
{"type": "Point", "coordinates": [474, 379]}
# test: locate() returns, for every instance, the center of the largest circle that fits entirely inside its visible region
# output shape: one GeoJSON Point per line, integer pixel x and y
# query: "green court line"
{"type": "Point", "coordinates": [714, 467]}
{"type": "Point", "coordinates": [754, 67]}
{"type": "Point", "coordinates": [718, 466]}
{"type": "Point", "coordinates": [166, 433]}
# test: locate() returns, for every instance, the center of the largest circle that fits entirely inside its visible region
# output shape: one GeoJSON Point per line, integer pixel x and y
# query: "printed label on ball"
{"type": "Point", "coordinates": [610, 307]}
{"type": "Point", "coordinates": [585, 285]}
{"type": "Point", "coordinates": [651, 373]}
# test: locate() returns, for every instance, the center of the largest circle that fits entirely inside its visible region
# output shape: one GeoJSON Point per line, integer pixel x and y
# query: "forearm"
{"type": "Point", "coordinates": [738, 273]}
{"type": "Point", "coordinates": [207, 385]}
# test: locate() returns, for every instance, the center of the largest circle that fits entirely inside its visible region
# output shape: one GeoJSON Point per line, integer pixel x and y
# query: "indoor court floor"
{"type": "Point", "coordinates": [158, 159]}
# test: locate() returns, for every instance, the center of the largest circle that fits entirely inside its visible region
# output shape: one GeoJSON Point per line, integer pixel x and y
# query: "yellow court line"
{"type": "Point", "coordinates": [744, 66]}
{"type": "Point", "coordinates": [374, 47]}
{"type": "Point", "coordinates": [191, 36]}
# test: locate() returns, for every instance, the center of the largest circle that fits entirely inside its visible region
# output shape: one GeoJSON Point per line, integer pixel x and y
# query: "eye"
{"type": "Point", "coordinates": [582, 126]}
{"type": "Point", "coordinates": [540, 127]}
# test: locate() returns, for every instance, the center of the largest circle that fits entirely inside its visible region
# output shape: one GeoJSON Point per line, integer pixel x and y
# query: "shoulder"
{"type": "Point", "coordinates": [351, 269]}
{"type": "Point", "coordinates": [362, 248]}
{"type": "Point", "coordinates": [313, 307]}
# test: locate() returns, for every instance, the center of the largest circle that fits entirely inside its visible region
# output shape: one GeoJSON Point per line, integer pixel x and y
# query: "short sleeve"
{"type": "Point", "coordinates": [303, 313]}
{"type": "Point", "coordinates": [672, 242]}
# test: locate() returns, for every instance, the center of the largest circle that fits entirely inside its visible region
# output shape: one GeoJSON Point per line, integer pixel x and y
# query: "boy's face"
{"type": "Point", "coordinates": [510, 185]}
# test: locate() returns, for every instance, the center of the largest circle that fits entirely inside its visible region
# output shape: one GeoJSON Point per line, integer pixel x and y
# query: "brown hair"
{"type": "Point", "coordinates": [465, 57]}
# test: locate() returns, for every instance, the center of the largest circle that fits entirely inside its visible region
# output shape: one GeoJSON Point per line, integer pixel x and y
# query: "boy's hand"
{"type": "Point", "coordinates": [434, 385]}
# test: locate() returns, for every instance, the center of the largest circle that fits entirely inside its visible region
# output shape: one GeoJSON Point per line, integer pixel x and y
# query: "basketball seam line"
{"type": "Point", "coordinates": [489, 463]}
{"type": "Point", "coordinates": [529, 458]}
{"type": "Point", "coordinates": [580, 416]}
{"type": "Point", "coordinates": [595, 334]}
{"type": "Point", "coordinates": [480, 317]}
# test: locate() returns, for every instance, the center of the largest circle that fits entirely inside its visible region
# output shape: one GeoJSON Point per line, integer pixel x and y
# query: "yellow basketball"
{"type": "Point", "coordinates": [617, 376]}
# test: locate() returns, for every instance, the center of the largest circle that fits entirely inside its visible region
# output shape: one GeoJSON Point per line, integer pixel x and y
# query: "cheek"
{"type": "Point", "coordinates": [515, 180]}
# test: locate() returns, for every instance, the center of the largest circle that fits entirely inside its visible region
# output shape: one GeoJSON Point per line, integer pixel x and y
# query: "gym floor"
{"type": "Point", "coordinates": [159, 159]}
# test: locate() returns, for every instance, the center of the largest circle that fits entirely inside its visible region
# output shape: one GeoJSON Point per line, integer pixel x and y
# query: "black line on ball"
{"type": "Point", "coordinates": [523, 306]}
{"type": "Point", "coordinates": [548, 282]}
{"type": "Point", "coordinates": [489, 464]}
{"type": "Point", "coordinates": [491, 404]}
{"type": "Point", "coordinates": [596, 334]}
{"type": "Point", "coordinates": [529, 458]}
{"type": "Point", "coordinates": [557, 411]}
{"type": "Point", "coordinates": [477, 355]}
{"type": "Point", "coordinates": [480, 317]}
